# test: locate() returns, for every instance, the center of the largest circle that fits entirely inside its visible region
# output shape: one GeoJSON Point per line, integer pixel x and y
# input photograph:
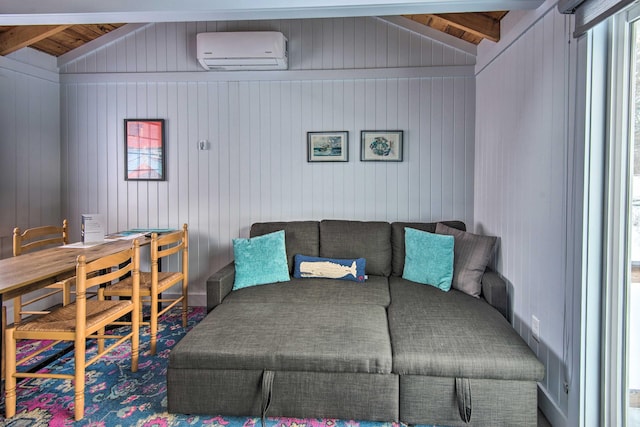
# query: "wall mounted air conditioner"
{"type": "Point", "coordinates": [247, 50]}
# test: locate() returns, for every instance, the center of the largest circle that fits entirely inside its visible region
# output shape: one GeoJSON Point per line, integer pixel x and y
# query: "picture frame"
{"type": "Point", "coordinates": [381, 145]}
{"type": "Point", "coordinates": [330, 146]}
{"type": "Point", "coordinates": [144, 151]}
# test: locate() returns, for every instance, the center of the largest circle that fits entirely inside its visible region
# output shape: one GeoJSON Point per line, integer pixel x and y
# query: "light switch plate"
{"type": "Point", "coordinates": [535, 328]}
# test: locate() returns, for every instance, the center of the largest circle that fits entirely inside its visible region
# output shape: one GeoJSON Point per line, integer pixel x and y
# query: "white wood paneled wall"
{"type": "Point", "coordinates": [521, 181]}
{"type": "Point", "coordinates": [257, 169]}
{"type": "Point", "coordinates": [30, 187]}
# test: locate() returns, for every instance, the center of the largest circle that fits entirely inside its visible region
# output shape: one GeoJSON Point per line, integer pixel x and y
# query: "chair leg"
{"type": "Point", "coordinates": [101, 331]}
{"type": "Point", "coordinates": [10, 380]}
{"type": "Point", "coordinates": [80, 348]}
{"type": "Point", "coordinates": [153, 323]}
{"type": "Point", "coordinates": [17, 308]}
{"type": "Point", "coordinates": [4, 349]}
{"type": "Point", "coordinates": [136, 316]}
{"type": "Point", "coordinates": [66, 293]}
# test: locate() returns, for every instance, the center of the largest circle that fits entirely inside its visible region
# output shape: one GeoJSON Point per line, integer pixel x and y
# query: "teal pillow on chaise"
{"type": "Point", "coordinates": [428, 258]}
{"type": "Point", "coordinates": [260, 260]}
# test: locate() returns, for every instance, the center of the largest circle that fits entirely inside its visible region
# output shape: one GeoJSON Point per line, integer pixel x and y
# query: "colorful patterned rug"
{"type": "Point", "coordinates": [114, 396]}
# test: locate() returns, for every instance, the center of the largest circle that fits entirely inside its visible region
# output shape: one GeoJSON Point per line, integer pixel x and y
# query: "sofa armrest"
{"type": "Point", "coordinates": [220, 285]}
{"type": "Point", "coordinates": [494, 290]}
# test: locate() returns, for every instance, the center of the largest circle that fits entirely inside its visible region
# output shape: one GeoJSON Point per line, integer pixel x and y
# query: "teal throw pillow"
{"type": "Point", "coordinates": [260, 260]}
{"type": "Point", "coordinates": [428, 258]}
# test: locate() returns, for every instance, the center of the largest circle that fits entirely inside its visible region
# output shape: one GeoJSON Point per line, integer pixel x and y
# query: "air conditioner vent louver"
{"type": "Point", "coordinates": [249, 50]}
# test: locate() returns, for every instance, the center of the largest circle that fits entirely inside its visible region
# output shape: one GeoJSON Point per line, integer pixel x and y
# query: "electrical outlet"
{"type": "Point", "coordinates": [535, 328]}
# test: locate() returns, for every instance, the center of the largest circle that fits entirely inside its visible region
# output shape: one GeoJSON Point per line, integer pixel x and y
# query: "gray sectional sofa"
{"type": "Point", "coordinates": [387, 349]}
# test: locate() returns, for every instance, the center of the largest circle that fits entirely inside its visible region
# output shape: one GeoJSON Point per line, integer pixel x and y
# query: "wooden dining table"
{"type": "Point", "coordinates": [26, 273]}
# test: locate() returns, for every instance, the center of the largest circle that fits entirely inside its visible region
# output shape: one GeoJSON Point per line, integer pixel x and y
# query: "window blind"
{"type": "Point", "coordinates": [591, 12]}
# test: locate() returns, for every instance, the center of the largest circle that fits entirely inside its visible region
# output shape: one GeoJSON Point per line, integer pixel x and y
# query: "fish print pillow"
{"type": "Point", "coordinates": [329, 268]}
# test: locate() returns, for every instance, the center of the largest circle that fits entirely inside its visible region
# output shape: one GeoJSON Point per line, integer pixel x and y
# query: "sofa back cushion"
{"type": "Point", "coordinates": [370, 240]}
{"type": "Point", "coordinates": [301, 237]}
{"type": "Point", "coordinates": [397, 239]}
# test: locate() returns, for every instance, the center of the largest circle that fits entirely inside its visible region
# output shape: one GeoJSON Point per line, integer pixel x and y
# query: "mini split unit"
{"type": "Point", "coordinates": [249, 50]}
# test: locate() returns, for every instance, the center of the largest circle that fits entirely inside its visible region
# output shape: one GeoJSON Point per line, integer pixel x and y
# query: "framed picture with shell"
{"type": "Point", "coordinates": [381, 145]}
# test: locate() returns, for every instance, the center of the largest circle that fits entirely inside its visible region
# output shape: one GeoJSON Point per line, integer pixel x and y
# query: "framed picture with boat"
{"type": "Point", "coordinates": [381, 145]}
{"type": "Point", "coordinates": [328, 146]}
{"type": "Point", "coordinates": [144, 151]}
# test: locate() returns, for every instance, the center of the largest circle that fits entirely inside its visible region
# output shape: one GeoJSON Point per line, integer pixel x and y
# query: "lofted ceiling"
{"type": "Point", "coordinates": [57, 27]}
{"type": "Point", "coordinates": [57, 40]}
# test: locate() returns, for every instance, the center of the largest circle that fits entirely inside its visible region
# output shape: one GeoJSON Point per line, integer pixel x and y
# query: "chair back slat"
{"type": "Point", "coordinates": [169, 244]}
{"type": "Point", "coordinates": [107, 264]}
{"type": "Point", "coordinates": [39, 237]}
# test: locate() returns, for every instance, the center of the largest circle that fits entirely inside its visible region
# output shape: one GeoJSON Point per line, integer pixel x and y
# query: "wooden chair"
{"type": "Point", "coordinates": [79, 321]}
{"type": "Point", "coordinates": [27, 241]}
{"type": "Point", "coordinates": [154, 283]}
{"type": "Point", "coordinates": [39, 238]}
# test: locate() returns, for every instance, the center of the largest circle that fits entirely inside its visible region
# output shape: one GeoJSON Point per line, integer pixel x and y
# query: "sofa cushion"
{"type": "Point", "coordinates": [397, 239]}
{"type": "Point", "coordinates": [370, 240]}
{"type": "Point", "coordinates": [329, 268]}
{"type": "Point", "coordinates": [454, 335]}
{"type": "Point", "coordinates": [472, 255]}
{"type": "Point", "coordinates": [301, 237]}
{"type": "Point", "coordinates": [260, 260]}
{"type": "Point", "coordinates": [429, 258]}
{"type": "Point", "coordinates": [375, 291]}
{"type": "Point", "coordinates": [285, 337]}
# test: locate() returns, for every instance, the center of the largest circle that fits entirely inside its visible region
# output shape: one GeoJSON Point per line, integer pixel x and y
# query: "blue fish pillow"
{"type": "Point", "coordinates": [329, 268]}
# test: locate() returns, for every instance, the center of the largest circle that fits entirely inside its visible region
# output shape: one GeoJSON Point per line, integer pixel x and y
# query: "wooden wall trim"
{"type": "Point", "coordinates": [300, 75]}
{"type": "Point", "coordinates": [28, 70]}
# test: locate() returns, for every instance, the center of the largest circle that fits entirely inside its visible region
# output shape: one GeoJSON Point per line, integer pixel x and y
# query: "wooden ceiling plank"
{"type": "Point", "coordinates": [90, 32]}
{"type": "Point", "coordinates": [479, 24]}
{"type": "Point", "coordinates": [51, 46]}
{"type": "Point", "coordinates": [19, 37]}
{"type": "Point", "coordinates": [438, 22]}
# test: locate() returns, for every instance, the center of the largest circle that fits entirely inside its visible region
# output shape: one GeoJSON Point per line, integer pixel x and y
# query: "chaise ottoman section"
{"type": "Point", "coordinates": [306, 360]}
{"type": "Point", "coordinates": [476, 356]}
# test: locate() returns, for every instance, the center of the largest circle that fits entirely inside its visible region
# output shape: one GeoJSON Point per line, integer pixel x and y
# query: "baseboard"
{"type": "Point", "coordinates": [195, 300]}
{"type": "Point", "coordinates": [550, 409]}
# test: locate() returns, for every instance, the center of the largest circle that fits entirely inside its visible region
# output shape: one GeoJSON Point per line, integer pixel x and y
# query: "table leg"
{"type": "Point", "coordinates": [2, 329]}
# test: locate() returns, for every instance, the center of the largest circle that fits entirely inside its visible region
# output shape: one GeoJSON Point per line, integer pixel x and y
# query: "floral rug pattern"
{"type": "Point", "coordinates": [114, 396]}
